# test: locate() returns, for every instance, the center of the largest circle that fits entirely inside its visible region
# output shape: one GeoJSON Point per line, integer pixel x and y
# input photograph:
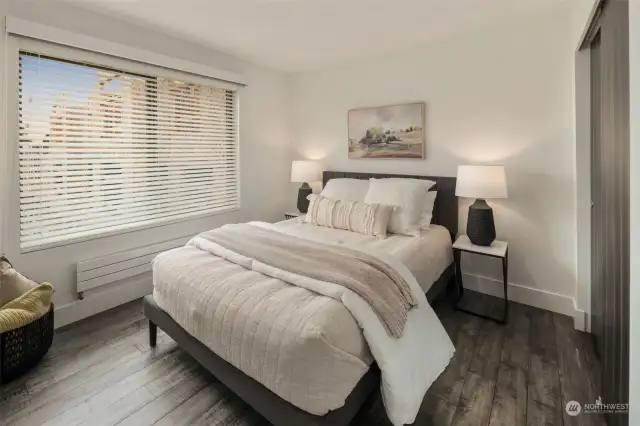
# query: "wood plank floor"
{"type": "Point", "coordinates": [101, 371]}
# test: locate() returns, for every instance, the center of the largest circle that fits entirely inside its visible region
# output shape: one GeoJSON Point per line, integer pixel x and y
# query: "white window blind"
{"type": "Point", "coordinates": [103, 150]}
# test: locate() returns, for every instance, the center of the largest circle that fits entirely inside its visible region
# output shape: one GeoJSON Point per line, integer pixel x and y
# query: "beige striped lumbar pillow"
{"type": "Point", "coordinates": [354, 216]}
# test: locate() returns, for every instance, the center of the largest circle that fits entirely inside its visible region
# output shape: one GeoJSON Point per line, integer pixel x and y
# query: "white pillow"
{"type": "Point", "coordinates": [427, 184]}
{"type": "Point", "coordinates": [354, 216]}
{"type": "Point", "coordinates": [427, 212]}
{"type": "Point", "coordinates": [430, 198]}
{"type": "Point", "coordinates": [346, 189]}
{"type": "Point", "coordinates": [408, 195]}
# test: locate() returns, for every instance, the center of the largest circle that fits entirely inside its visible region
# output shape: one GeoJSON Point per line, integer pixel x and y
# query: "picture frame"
{"type": "Point", "coordinates": [387, 132]}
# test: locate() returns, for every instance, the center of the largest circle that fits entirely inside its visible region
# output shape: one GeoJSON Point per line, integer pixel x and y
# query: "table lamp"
{"type": "Point", "coordinates": [305, 172]}
{"type": "Point", "coordinates": [481, 182]}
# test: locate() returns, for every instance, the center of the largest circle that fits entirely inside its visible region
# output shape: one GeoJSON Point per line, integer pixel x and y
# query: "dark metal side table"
{"type": "Point", "coordinates": [497, 249]}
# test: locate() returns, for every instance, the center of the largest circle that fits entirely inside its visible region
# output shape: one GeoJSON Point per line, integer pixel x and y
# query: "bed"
{"type": "Point", "coordinates": [285, 387]}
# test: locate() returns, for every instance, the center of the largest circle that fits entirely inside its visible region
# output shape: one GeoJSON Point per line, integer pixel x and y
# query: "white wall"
{"type": "Point", "coordinates": [264, 147]}
{"type": "Point", "coordinates": [501, 96]}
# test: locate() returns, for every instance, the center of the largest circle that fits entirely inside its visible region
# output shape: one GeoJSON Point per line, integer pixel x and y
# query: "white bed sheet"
{"type": "Point", "coordinates": [426, 256]}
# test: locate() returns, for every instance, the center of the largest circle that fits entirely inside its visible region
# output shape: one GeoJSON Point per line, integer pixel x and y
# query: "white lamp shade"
{"type": "Point", "coordinates": [305, 171]}
{"type": "Point", "coordinates": [481, 182]}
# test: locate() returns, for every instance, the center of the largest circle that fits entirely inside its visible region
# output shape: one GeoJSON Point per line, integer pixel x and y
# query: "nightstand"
{"type": "Point", "coordinates": [497, 249]}
{"type": "Point", "coordinates": [291, 215]}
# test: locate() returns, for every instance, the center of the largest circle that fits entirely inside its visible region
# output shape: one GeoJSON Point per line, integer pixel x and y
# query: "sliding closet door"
{"type": "Point", "coordinates": [610, 190]}
{"type": "Point", "coordinates": [597, 206]}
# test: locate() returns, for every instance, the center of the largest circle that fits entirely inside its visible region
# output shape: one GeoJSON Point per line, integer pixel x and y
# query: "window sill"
{"type": "Point", "coordinates": [137, 228]}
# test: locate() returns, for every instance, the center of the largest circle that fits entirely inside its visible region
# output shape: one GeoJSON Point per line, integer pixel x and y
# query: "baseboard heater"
{"type": "Point", "coordinates": [105, 270]}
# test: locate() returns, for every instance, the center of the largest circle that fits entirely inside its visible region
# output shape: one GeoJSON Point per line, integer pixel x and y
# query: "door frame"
{"type": "Point", "coordinates": [582, 93]}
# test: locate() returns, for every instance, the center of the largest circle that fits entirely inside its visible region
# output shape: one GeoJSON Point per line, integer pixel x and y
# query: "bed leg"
{"type": "Point", "coordinates": [153, 334]}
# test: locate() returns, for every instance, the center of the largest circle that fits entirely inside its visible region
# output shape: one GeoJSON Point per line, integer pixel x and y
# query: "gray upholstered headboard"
{"type": "Point", "coordinates": [445, 211]}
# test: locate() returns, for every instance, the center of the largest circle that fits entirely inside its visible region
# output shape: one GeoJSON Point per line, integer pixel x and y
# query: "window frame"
{"type": "Point", "coordinates": [17, 43]}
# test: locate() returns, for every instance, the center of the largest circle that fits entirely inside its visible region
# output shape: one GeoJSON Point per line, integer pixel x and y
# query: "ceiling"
{"type": "Point", "coordinates": [295, 35]}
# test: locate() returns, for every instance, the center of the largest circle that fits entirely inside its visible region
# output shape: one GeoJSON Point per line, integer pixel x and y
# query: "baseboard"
{"type": "Point", "coordinates": [92, 305]}
{"type": "Point", "coordinates": [580, 320]}
{"type": "Point", "coordinates": [528, 296]}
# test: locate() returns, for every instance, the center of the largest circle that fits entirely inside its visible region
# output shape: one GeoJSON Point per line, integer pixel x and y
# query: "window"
{"type": "Point", "coordinates": [103, 150]}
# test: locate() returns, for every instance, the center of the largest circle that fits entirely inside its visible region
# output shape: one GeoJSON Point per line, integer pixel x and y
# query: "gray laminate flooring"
{"type": "Point", "coordinates": [101, 371]}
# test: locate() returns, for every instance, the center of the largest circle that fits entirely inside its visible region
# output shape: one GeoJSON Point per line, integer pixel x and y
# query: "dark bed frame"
{"type": "Point", "coordinates": [273, 408]}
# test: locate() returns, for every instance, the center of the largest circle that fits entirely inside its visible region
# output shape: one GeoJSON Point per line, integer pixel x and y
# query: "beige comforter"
{"type": "Point", "coordinates": [306, 348]}
{"type": "Point", "coordinates": [380, 285]}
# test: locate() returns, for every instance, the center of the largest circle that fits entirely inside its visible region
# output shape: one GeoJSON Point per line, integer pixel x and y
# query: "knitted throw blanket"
{"type": "Point", "coordinates": [380, 285]}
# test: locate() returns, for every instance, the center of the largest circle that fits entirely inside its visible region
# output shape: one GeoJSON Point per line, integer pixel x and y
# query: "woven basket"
{"type": "Point", "coordinates": [22, 348]}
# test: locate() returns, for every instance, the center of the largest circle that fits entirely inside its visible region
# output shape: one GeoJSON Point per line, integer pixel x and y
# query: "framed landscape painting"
{"type": "Point", "coordinates": [395, 131]}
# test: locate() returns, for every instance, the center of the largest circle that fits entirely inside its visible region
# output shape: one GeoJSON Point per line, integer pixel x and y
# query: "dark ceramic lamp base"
{"type": "Point", "coordinates": [481, 229]}
{"type": "Point", "coordinates": [304, 191]}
